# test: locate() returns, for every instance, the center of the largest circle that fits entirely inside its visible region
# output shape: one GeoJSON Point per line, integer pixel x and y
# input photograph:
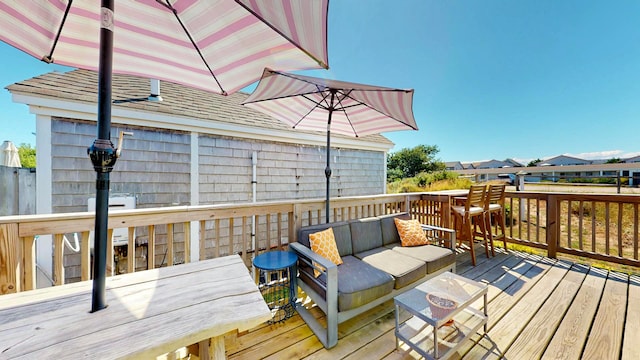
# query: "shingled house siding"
{"type": "Point", "coordinates": [155, 168]}
{"type": "Point", "coordinates": [284, 171]}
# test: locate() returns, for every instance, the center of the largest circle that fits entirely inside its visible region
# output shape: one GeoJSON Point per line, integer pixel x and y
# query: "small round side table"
{"type": "Point", "coordinates": [276, 273]}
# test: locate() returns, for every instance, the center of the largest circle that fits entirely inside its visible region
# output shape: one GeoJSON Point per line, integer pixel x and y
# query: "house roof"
{"type": "Point", "coordinates": [513, 162]}
{"type": "Point", "coordinates": [559, 157]}
{"type": "Point", "coordinates": [132, 92]}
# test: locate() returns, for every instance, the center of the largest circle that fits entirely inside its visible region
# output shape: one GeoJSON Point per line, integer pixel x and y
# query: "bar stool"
{"type": "Point", "coordinates": [494, 208]}
{"type": "Point", "coordinates": [464, 215]}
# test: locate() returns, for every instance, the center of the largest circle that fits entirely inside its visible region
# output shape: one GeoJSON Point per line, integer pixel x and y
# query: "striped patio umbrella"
{"type": "Point", "coordinates": [310, 103]}
{"type": "Point", "coordinates": [216, 45]}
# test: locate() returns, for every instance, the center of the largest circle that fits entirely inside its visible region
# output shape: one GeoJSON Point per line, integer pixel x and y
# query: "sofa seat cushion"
{"type": "Point", "coordinates": [358, 283]}
{"type": "Point", "coordinates": [435, 257]}
{"type": "Point", "coordinates": [403, 268]}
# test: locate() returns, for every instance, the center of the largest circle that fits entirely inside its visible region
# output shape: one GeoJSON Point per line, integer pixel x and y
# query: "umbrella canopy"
{"type": "Point", "coordinates": [9, 155]}
{"type": "Point", "coordinates": [216, 45]}
{"type": "Point", "coordinates": [311, 103]}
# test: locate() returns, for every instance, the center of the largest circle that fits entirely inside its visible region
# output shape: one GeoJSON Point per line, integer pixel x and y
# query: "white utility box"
{"type": "Point", "coordinates": [121, 235]}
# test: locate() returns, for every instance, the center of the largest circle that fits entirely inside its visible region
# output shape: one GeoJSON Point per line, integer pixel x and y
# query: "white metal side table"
{"type": "Point", "coordinates": [443, 315]}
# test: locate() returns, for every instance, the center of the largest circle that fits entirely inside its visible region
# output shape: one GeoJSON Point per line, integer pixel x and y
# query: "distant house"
{"type": "Point", "coordinates": [563, 160]}
{"type": "Point", "coordinates": [493, 164]}
{"type": "Point", "coordinates": [635, 159]}
{"type": "Point", "coordinates": [453, 165]}
{"type": "Point", "coordinates": [513, 163]}
{"type": "Point", "coordinates": [558, 168]}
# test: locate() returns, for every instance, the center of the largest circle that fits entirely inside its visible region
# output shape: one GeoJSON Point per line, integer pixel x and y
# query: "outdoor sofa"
{"type": "Point", "coordinates": [375, 268]}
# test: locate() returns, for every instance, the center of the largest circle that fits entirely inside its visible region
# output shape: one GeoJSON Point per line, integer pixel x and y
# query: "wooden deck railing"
{"type": "Point", "coordinates": [167, 233]}
{"type": "Point", "coordinates": [602, 227]}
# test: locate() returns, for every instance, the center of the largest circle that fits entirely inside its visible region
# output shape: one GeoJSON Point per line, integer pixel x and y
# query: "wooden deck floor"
{"type": "Point", "coordinates": [538, 308]}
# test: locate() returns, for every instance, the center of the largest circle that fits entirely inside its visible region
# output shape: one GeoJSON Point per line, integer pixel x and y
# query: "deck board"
{"type": "Point", "coordinates": [568, 340]}
{"type": "Point", "coordinates": [605, 338]}
{"type": "Point", "coordinates": [538, 307]}
{"type": "Point", "coordinates": [630, 348]}
{"type": "Point", "coordinates": [532, 341]}
{"type": "Point", "coordinates": [505, 331]}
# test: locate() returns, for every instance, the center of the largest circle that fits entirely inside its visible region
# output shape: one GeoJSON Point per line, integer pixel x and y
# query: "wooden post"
{"type": "Point", "coordinates": [58, 258]}
{"type": "Point", "coordinates": [170, 251]}
{"type": "Point", "coordinates": [29, 254]}
{"type": "Point", "coordinates": [291, 225]}
{"type": "Point", "coordinates": [85, 253]}
{"type": "Point", "coordinates": [212, 349]}
{"type": "Point", "coordinates": [203, 233]}
{"type": "Point", "coordinates": [187, 241]}
{"type": "Point", "coordinates": [131, 251]}
{"type": "Point", "coordinates": [10, 259]}
{"type": "Point", "coordinates": [297, 221]}
{"type": "Point", "coordinates": [110, 263]}
{"type": "Point", "coordinates": [407, 205]}
{"type": "Point", "coordinates": [151, 248]}
{"type": "Point", "coordinates": [552, 225]}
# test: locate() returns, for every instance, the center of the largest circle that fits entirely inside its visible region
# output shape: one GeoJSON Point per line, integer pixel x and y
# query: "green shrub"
{"type": "Point", "coordinates": [433, 181]}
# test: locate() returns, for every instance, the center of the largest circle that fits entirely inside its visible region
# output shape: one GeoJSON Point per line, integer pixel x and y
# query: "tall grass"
{"type": "Point", "coordinates": [433, 181]}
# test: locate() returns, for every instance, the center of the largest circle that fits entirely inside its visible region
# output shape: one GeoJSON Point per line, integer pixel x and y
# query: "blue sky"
{"type": "Point", "coordinates": [492, 78]}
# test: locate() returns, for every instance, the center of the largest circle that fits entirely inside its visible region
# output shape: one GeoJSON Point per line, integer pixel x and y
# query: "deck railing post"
{"type": "Point", "coordinates": [407, 205]}
{"type": "Point", "coordinates": [29, 263]}
{"type": "Point", "coordinates": [552, 225]}
{"type": "Point", "coordinates": [10, 259]}
{"type": "Point", "coordinates": [295, 222]}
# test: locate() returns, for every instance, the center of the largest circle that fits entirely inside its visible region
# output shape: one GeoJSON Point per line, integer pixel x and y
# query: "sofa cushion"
{"type": "Point", "coordinates": [341, 233]}
{"type": "Point", "coordinates": [389, 230]}
{"type": "Point", "coordinates": [366, 234]}
{"type": "Point", "coordinates": [435, 257]}
{"type": "Point", "coordinates": [358, 283]}
{"type": "Point", "coordinates": [403, 268]}
{"type": "Point", "coordinates": [411, 233]}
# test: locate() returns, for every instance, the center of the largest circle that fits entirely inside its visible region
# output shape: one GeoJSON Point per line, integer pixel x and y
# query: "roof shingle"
{"type": "Point", "coordinates": [131, 92]}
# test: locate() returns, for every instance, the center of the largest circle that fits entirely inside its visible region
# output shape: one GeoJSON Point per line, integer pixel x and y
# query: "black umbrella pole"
{"type": "Point", "coordinates": [103, 157]}
{"type": "Point", "coordinates": [327, 171]}
{"type": "Point", "coordinates": [98, 298]}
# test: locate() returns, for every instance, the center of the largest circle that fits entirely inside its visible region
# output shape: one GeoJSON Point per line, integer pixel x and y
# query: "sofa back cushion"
{"type": "Point", "coordinates": [341, 232]}
{"type": "Point", "coordinates": [389, 230]}
{"type": "Point", "coordinates": [366, 234]}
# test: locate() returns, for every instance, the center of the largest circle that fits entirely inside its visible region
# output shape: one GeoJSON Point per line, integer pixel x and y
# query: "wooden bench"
{"type": "Point", "coordinates": [149, 313]}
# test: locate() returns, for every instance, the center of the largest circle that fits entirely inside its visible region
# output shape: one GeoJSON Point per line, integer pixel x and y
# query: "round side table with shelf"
{"type": "Point", "coordinates": [275, 273]}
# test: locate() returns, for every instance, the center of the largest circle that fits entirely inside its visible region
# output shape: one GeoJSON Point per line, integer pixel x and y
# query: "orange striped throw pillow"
{"type": "Point", "coordinates": [411, 233]}
{"type": "Point", "coordinates": [323, 243]}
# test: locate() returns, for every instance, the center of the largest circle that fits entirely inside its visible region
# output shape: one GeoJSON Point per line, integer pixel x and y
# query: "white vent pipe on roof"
{"type": "Point", "coordinates": [155, 90]}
